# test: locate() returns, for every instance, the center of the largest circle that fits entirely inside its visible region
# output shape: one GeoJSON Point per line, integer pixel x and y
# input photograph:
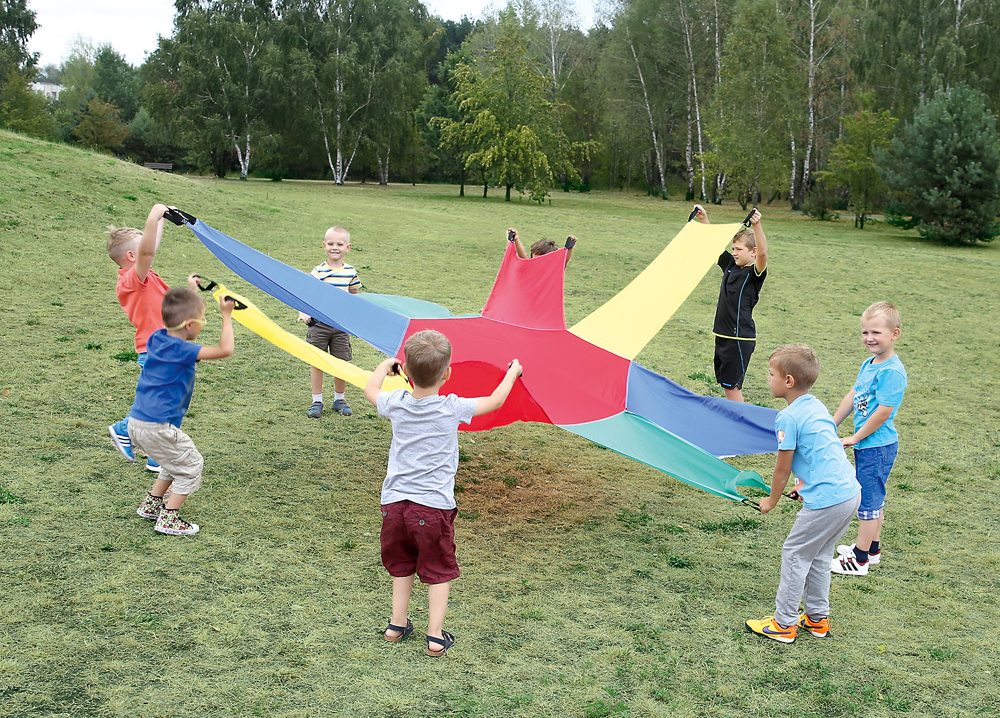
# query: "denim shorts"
{"type": "Point", "coordinates": [873, 466]}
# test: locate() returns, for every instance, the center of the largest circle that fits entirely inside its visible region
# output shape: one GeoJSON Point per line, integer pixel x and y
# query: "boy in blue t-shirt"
{"type": "Point", "coordinates": [162, 397]}
{"type": "Point", "coordinates": [874, 399]}
{"type": "Point", "coordinates": [808, 445]}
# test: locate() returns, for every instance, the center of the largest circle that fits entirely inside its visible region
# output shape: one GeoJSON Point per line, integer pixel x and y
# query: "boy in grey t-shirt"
{"type": "Point", "coordinates": [418, 494]}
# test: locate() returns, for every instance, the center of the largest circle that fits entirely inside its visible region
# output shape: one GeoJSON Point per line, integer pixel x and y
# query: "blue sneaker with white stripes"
{"type": "Point", "coordinates": [119, 435]}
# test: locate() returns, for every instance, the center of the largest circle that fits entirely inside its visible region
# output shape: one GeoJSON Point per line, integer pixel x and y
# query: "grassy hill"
{"type": "Point", "coordinates": [591, 586]}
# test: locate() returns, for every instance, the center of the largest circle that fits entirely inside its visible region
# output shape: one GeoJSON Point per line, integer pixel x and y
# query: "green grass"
{"type": "Point", "coordinates": [592, 586]}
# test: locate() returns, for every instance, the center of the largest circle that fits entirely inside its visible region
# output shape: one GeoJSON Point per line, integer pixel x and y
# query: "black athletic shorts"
{"type": "Point", "coordinates": [732, 356]}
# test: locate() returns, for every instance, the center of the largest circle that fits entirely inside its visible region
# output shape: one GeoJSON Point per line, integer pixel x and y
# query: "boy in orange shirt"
{"type": "Point", "coordinates": [140, 292]}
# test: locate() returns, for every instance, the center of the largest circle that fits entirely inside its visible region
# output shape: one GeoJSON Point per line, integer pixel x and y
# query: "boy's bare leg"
{"type": "Point", "coordinates": [402, 587]}
{"type": "Point", "coordinates": [733, 393]}
{"type": "Point", "coordinates": [316, 380]}
{"type": "Point", "coordinates": [175, 501]}
{"type": "Point", "coordinates": [437, 607]}
{"type": "Point", "coordinates": [159, 487]}
{"type": "Point", "coordinates": [868, 531]}
{"type": "Point", "coordinates": [339, 385]}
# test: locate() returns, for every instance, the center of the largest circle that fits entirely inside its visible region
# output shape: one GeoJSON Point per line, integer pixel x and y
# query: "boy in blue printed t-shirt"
{"type": "Point", "coordinates": [162, 397]}
{"type": "Point", "coordinates": [808, 445]}
{"type": "Point", "coordinates": [874, 399]}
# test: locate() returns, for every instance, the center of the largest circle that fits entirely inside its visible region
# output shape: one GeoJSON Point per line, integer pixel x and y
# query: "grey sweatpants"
{"type": "Point", "coordinates": [805, 561]}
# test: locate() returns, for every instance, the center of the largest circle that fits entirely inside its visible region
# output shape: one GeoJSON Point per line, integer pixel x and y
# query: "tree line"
{"type": "Point", "coordinates": [827, 105]}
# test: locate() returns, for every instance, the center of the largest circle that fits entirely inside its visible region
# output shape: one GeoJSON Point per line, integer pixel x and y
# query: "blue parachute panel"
{"type": "Point", "coordinates": [379, 326]}
{"type": "Point", "coordinates": [719, 426]}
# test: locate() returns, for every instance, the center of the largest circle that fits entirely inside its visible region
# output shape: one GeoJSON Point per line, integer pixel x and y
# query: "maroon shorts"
{"type": "Point", "coordinates": [419, 539]}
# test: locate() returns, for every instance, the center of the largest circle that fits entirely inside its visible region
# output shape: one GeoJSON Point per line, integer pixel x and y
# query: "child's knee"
{"type": "Point", "coordinates": [187, 472]}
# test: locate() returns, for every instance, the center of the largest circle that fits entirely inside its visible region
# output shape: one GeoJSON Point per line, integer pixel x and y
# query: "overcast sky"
{"type": "Point", "coordinates": [132, 26]}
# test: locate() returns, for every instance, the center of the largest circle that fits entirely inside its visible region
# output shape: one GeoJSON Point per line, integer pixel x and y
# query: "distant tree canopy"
{"type": "Point", "coordinates": [748, 100]}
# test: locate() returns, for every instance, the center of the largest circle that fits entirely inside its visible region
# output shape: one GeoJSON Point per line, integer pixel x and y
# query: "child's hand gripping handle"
{"type": "Point", "coordinates": [178, 216]}
{"type": "Point", "coordinates": [205, 285]}
{"type": "Point", "coordinates": [747, 221]}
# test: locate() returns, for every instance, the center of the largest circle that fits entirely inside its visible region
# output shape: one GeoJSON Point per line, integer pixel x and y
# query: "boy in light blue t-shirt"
{"type": "Point", "coordinates": [874, 399]}
{"type": "Point", "coordinates": [808, 445]}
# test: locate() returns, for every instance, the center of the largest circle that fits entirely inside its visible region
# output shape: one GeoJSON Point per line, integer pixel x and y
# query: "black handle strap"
{"type": "Point", "coordinates": [234, 300]}
{"type": "Point", "coordinates": [746, 220]}
{"type": "Point", "coordinates": [178, 216]}
{"type": "Point", "coordinates": [694, 213]}
{"type": "Point", "coordinates": [208, 286]}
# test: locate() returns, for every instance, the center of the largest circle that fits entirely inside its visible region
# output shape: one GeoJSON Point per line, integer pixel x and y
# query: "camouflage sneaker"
{"type": "Point", "coordinates": [341, 407]}
{"type": "Point", "coordinates": [150, 507]}
{"type": "Point", "coordinates": [170, 523]}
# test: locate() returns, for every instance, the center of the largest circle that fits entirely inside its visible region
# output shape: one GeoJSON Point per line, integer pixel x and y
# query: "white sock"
{"type": "Point", "coordinates": [318, 397]}
{"type": "Point", "coordinates": [338, 396]}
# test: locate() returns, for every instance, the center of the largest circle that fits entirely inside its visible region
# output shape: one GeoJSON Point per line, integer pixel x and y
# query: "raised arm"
{"type": "Point", "coordinates": [758, 234]}
{"type": "Point", "coordinates": [486, 404]}
{"type": "Point", "coordinates": [226, 345]}
{"type": "Point", "coordinates": [150, 242]}
{"type": "Point", "coordinates": [700, 214]}
{"type": "Point", "coordinates": [512, 236]}
{"type": "Point", "coordinates": [384, 369]}
{"type": "Point", "coordinates": [570, 243]}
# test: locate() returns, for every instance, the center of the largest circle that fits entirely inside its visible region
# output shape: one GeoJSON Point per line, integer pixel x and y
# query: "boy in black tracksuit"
{"type": "Point", "coordinates": [743, 273]}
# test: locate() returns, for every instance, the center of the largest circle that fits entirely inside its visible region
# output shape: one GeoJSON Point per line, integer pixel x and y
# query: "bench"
{"type": "Point", "coordinates": [162, 166]}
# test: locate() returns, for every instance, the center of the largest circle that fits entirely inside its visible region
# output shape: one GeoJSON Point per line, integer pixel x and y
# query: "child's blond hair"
{"type": "Point", "coordinates": [885, 310]}
{"type": "Point", "coordinates": [121, 240]}
{"type": "Point", "coordinates": [428, 354]}
{"type": "Point", "coordinates": [799, 361]}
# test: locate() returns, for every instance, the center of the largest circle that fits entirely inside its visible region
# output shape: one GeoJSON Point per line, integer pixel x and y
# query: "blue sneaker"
{"type": "Point", "coordinates": [119, 435]}
{"type": "Point", "coordinates": [152, 465]}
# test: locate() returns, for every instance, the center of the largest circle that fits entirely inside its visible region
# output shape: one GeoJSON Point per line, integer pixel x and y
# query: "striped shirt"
{"type": "Point", "coordinates": [343, 277]}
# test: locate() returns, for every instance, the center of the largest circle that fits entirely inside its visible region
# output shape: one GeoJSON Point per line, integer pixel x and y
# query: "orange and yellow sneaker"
{"type": "Point", "coordinates": [820, 628]}
{"type": "Point", "coordinates": [769, 628]}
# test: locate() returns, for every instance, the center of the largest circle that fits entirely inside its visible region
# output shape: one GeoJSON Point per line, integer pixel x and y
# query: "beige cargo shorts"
{"type": "Point", "coordinates": [178, 457]}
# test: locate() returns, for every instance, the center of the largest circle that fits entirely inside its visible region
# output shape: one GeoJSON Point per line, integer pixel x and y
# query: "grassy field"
{"type": "Point", "coordinates": [591, 585]}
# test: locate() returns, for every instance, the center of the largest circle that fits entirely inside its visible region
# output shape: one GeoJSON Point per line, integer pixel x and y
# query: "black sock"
{"type": "Point", "coordinates": [860, 556]}
{"type": "Point", "coordinates": [874, 549]}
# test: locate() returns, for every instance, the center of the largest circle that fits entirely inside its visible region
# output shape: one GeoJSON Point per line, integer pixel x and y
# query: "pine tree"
{"type": "Point", "coordinates": [945, 169]}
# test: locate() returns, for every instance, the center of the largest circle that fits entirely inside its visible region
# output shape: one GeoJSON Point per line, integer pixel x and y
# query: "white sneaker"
{"type": "Point", "coordinates": [848, 566]}
{"type": "Point", "coordinates": [845, 550]}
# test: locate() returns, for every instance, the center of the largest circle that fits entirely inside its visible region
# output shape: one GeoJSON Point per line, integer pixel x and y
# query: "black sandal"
{"type": "Point", "coordinates": [403, 631]}
{"type": "Point", "coordinates": [447, 642]}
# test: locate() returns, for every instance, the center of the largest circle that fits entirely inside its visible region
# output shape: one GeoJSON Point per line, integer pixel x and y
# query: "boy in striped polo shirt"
{"type": "Point", "coordinates": [333, 270]}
